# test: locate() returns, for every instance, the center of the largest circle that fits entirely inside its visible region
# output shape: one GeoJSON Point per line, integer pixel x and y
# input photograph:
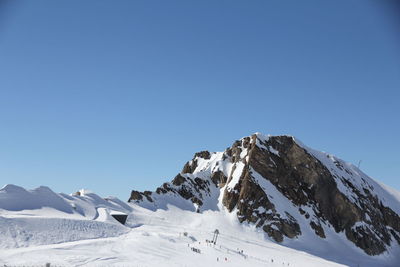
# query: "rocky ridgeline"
{"type": "Point", "coordinates": [253, 176]}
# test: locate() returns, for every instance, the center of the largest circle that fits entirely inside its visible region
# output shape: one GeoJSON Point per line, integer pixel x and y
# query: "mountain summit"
{"type": "Point", "coordinates": [289, 191]}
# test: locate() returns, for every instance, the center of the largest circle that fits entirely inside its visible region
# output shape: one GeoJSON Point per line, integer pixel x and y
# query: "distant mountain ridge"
{"type": "Point", "coordinates": [286, 189]}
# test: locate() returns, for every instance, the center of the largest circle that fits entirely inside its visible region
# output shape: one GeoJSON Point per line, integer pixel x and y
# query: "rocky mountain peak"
{"type": "Point", "coordinates": [286, 189]}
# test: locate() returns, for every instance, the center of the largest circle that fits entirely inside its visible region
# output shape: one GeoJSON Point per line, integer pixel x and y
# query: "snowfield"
{"type": "Point", "coordinates": [152, 238]}
{"type": "Point", "coordinates": [86, 234]}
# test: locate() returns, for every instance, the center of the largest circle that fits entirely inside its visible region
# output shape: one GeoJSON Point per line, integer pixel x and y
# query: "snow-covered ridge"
{"type": "Point", "coordinates": [41, 216]}
{"type": "Point", "coordinates": [345, 171]}
{"type": "Point", "coordinates": [15, 198]}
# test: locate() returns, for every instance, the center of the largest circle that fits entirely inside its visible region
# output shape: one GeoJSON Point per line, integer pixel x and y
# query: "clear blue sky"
{"type": "Point", "coordinates": [118, 95]}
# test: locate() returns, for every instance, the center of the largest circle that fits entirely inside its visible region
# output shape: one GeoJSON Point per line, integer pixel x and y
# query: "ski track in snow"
{"type": "Point", "coordinates": [160, 241]}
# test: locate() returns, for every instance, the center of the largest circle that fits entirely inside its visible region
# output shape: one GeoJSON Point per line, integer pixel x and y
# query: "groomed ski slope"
{"type": "Point", "coordinates": [158, 239]}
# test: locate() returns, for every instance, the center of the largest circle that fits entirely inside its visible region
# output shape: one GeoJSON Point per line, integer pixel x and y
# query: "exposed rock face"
{"type": "Point", "coordinates": [138, 196]}
{"type": "Point", "coordinates": [278, 184]}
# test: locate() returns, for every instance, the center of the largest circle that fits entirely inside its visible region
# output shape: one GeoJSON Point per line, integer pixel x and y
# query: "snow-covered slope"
{"type": "Point", "coordinates": [344, 172]}
{"type": "Point", "coordinates": [40, 216]}
{"type": "Point", "coordinates": [166, 238]}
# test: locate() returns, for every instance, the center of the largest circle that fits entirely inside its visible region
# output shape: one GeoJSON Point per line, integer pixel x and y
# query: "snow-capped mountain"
{"type": "Point", "coordinates": [290, 191]}
{"type": "Point", "coordinates": [275, 202]}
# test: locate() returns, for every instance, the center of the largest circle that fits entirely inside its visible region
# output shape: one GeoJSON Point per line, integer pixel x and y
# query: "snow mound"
{"type": "Point", "coordinates": [15, 198]}
{"type": "Point", "coordinates": [41, 216]}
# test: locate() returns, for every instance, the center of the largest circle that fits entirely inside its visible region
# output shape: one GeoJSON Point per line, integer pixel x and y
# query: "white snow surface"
{"type": "Point", "coordinates": [89, 236]}
{"type": "Point", "coordinates": [40, 216]}
{"type": "Point", "coordinates": [152, 238]}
